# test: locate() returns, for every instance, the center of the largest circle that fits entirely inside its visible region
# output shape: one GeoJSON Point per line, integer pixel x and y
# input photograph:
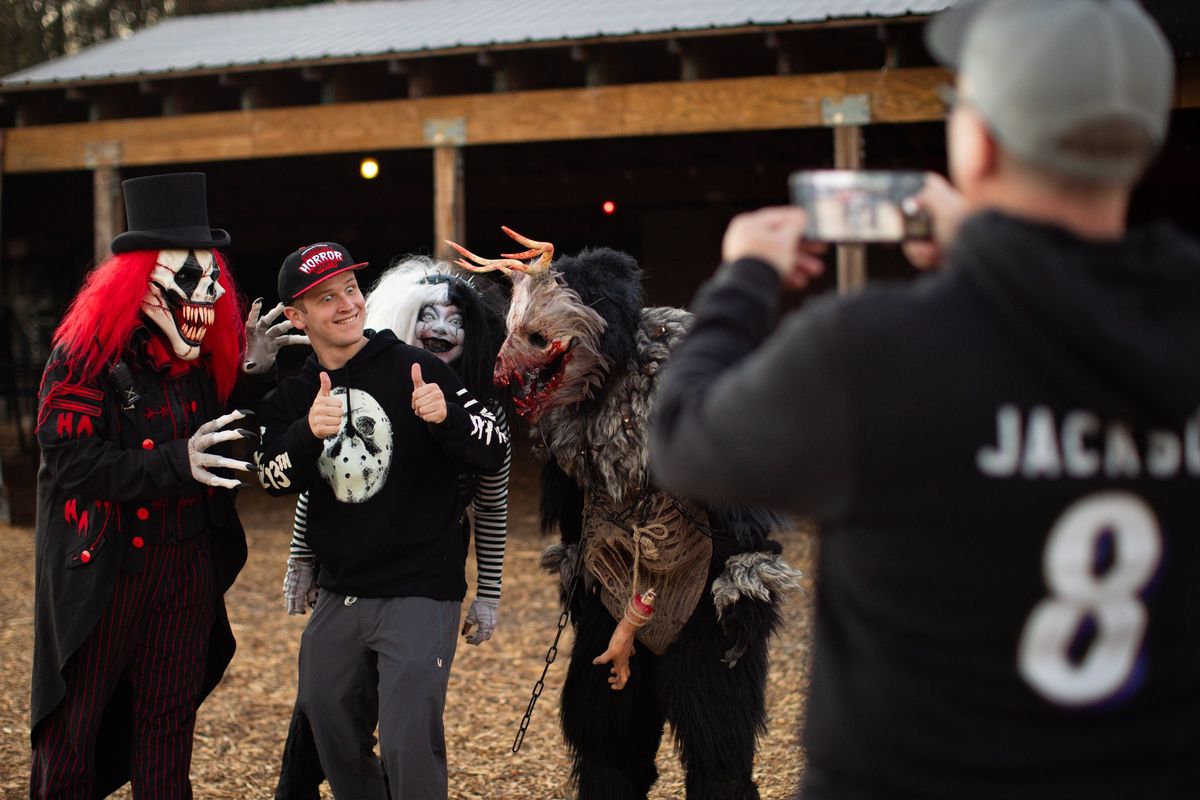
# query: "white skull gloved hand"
{"type": "Point", "coordinates": [299, 585]}
{"type": "Point", "coordinates": [481, 620]}
{"type": "Point", "coordinates": [264, 340]}
{"type": "Point", "coordinates": [210, 434]}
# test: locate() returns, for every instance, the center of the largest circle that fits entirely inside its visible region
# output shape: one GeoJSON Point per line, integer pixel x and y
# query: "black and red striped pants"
{"type": "Point", "coordinates": [156, 628]}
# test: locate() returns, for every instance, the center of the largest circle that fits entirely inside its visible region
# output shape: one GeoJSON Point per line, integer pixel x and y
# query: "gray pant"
{"type": "Point", "coordinates": [386, 660]}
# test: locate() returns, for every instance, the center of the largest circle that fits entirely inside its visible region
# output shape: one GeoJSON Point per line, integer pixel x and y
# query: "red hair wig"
{"type": "Point", "coordinates": [104, 314]}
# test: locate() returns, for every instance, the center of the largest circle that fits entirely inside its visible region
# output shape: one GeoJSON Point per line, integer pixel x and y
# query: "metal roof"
{"type": "Point", "coordinates": [340, 30]}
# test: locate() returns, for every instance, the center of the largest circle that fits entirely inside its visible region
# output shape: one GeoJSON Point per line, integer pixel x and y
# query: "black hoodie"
{"type": "Point", "coordinates": [385, 517]}
{"type": "Point", "coordinates": [1005, 461]}
{"type": "Point", "coordinates": [1124, 339]}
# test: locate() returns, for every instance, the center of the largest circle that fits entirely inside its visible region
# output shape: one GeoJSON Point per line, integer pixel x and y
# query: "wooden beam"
{"type": "Point", "coordinates": [499, 67]}
{"type": "Point", "coordinates": [756, 103]}
{"type": "Point", "coordinates": [851, 258]}
{"type": "Point", "coordinates": [735, 104]}
{"type": "Point", "coordinates": [449, 206]}
{"type": "Point", "coordinates": [785, 63]}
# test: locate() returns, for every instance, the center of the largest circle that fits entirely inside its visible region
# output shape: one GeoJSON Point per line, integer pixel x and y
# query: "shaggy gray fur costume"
{"type": "Point", "coordinates": [582, 357]}
{"type": "Point", "coordinates": [720, 654]}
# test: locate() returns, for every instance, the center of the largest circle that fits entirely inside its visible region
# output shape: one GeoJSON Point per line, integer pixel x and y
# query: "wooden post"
{"type": "Point", "coordinates": [449, 204]}
{"type": "Point", "coordinates": [851, 258]}
{"type": "Point", "coordinates": [3, 277]}
{"type": "Point", "coordinates": [108, 212]}
{"type": "Point", "coordinates": [109, 217]}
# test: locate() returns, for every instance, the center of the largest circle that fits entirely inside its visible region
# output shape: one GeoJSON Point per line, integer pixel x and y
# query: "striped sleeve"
{"type": "Point", "coordinates": [490, 506]}
{"type": "Point", "coordinates": [299, 545]}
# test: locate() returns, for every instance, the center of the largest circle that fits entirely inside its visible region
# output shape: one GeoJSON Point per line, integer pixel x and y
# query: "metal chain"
{"type": "Point", "coordinates": [710, 532]}
{"type": "Point", "coordinates": [551, 654]}
{"type": "Point", "coordinates": [618, 519]}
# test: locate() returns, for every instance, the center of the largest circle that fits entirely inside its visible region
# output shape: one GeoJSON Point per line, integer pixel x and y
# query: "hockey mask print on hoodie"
{"type": "Point", "coordinates": [356, 462]}
{"type": "Point", "coordinates": [181, 296]}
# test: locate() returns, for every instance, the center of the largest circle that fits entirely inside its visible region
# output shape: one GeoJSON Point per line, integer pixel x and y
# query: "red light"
{"type": "Point", "coordinates": [609, 207]}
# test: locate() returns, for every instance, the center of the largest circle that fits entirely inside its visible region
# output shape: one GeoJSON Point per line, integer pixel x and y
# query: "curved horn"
{"type": "Point", "coordinates": [543, 251]}
{"type": "Point", "coordinates": [505, 265]}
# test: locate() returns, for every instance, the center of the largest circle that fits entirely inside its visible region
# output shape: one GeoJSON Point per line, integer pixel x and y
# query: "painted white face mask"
{"type": "Point", "coordinates": [180, 298]}
{"type": "Point", "coordinates": [440, 330]}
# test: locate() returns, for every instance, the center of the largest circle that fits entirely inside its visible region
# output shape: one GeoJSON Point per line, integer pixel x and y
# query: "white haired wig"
{"type": "Point", "coordinates": [396, 299]}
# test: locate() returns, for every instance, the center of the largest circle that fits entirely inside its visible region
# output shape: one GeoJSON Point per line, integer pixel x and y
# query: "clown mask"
{"type": "Point", "coordinates": [440, 330]}
{"type": "Point", "coordinates": [182, 292]}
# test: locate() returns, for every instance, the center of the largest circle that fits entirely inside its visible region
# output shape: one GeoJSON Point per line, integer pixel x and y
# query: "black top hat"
{"type": "Point", "coordinates": [166, 212]}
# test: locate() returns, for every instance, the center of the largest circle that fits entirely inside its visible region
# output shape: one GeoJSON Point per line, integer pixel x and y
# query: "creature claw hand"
{"type": "Point", "coordinates": [481, 619]}
{"type": "Point", "coordinates": [299, 585]}
{"type": "Point", "coordinates": [264, 340]}
{"type": "Point", "coordinates": [202, 461]}
{"type": "Point", "coordinates": [620, 649]}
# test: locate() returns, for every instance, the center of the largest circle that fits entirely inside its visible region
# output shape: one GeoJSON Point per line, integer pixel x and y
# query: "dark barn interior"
{"type": "Point", "coordinates": [756, 113]}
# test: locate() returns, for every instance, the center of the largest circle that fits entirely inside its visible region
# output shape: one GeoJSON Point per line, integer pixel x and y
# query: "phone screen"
{"type": "Point", "coordinates": [852, 206]}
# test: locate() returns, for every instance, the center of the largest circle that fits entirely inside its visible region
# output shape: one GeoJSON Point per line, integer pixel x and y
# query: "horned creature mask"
{"type": "Point", "coordinates": [182, 291]}
{"type": "Point", "coordinates": [552, 356]}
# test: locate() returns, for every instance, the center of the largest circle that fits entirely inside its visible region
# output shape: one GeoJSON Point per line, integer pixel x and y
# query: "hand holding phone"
{"type": "Point", "coordinates": [775, 235]}
{"type": "Point", "coordinates": [853, 206]}
{"type": "Point", "coordinates": [946, 209]}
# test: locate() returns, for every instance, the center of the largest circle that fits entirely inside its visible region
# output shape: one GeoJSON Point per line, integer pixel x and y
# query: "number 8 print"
{"type": "Point", "coordinates": [1110, 600]}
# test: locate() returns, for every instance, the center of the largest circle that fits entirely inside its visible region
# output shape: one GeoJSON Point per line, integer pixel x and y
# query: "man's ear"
{"type": "Point", "coordinates": [294, 316]}
{"type": "Point", "coordinates": [974, 157]}
{"type": "Point", "coordinates": [989, 156]}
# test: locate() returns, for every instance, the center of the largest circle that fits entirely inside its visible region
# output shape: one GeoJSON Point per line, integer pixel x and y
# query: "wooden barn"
{"type": "Point", "coordinates": [639, 124]}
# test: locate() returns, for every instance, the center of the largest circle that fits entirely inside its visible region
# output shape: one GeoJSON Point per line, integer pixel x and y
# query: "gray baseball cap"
{"type": "Point", "coordinates": [1038, 71]}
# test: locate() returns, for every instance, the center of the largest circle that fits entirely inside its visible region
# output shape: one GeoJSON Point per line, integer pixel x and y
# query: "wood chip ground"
{"type": "Point", "coordinates": [241, 728]}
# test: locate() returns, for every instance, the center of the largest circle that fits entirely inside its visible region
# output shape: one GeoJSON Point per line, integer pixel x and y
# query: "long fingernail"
{"type": "Point", "coordinates": [245, 412]}
{"type": "Point", "coordinates": [247, 434]}
{"type": "Point", "coordinates": [258, 301]}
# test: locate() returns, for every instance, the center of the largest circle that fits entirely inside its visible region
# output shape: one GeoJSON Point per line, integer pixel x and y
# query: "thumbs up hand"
{"type": "Point", "coordinates": [428, 402]}
{"type": "Point", "coordinates": [325, 415]}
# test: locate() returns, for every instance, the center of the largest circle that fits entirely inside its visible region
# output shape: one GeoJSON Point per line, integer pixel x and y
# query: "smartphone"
{"type": "Point", "coordinates": [860, 206]}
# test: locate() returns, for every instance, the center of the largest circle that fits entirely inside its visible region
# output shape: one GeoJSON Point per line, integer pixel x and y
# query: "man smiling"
{"type": "Point", "coordinates": [388, 530]}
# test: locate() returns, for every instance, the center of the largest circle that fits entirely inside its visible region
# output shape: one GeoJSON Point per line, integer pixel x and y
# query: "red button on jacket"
{"type": "Point", "coordinates": [138, 542]}
{"type": "Point", "coordinates": [147, 444]}
{"type": "Point", "coordinates": [143, 514]}
{"type": "Point", "coordinates": [85, 556]}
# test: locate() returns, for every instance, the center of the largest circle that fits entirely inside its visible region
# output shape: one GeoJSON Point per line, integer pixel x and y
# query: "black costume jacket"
{"type": "Point", "coordinates": [112, 481]}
